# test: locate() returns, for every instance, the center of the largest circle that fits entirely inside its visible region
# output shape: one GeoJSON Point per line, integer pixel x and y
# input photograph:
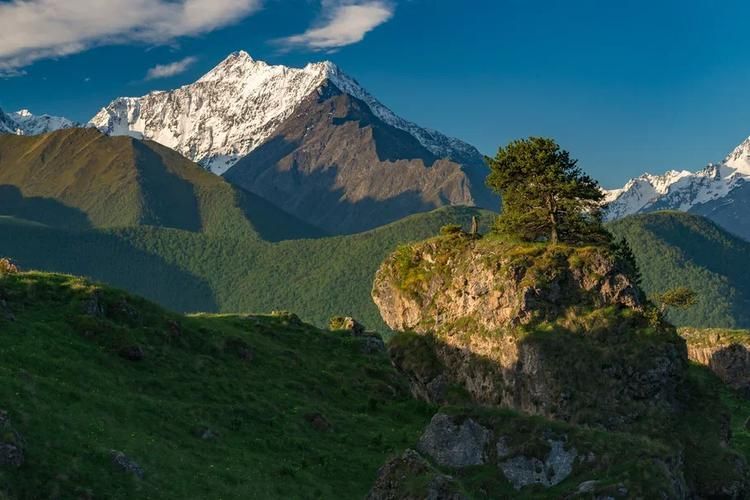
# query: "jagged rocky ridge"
{"type": "Point", "coordinates": [720, 192]}
{"type": "Point", "coordinates": [310, 140]}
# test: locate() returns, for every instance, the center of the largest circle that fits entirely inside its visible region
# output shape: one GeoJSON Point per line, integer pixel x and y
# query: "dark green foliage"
{"type": "Point", "coordinates": [545, 194]}
{"type": "Point", "coordinates": [226, 270]}
{"type": "Point", "coordinates": [626, 258]}
{"type": "Point", "coordinates": [680, 297]}
{"type": "Point", "coordinates": [675, 249]}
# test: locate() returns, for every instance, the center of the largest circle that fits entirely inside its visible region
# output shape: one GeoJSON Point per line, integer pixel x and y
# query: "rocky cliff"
{"type": "Point", "coordinates": [550, 330]}
{"type": "Point", "coordinates": [725, 352]}
{"type": "Point", "coordinates": [498, 332]}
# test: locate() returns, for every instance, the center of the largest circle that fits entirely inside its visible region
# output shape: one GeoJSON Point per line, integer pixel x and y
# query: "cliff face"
{"type": "Point", "coordinates": [497, 285]}
{"type": "Point", "coordinates": [549, 330]}
{"type": "Point", "coordinates": [724, 352]}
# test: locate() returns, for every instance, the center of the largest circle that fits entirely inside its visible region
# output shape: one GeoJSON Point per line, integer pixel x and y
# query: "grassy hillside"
{"type": "Point", "coordinates": [219, 406]}
{"type": "Point", "coordinates": [109, 396]}
{"type": "Point", "coordinates": [80, 178]}
{"type": "Point", "coordinates": [188, 271]}
{"type": "Point", "coordinates": [677, 249]}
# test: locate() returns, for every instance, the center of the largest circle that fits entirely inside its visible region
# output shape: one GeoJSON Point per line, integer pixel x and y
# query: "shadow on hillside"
{"type": "Point", "coordinates": [47, 211]}
{"type": "Point", "coordinates": [608, 380]}
{"type": "Point", "coordinates": [310, 196]}
{"type": "Point", "coordinates": [726, 260]}
{"type": "Point", "coordinates": [169, 200]}
{"type": "Point", "coordinates": [107, 257]}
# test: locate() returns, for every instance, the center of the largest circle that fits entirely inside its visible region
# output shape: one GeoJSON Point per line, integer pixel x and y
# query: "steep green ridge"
{"type": "Point", "coordinates": [188, 271]}
{"type": "Point", "coordinates": [678, 249]}
{"type": "Point", "coordinates": [219, 406]}
{"type": "Point", "coordinates": [80, 178]}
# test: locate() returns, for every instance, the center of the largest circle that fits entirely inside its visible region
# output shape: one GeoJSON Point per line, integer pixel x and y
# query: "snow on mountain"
{"type": "Point", "coordinates": [682, 190]}
{"type": "Point", "coordinates": [7, 126]}
{"type": "Point", "coordinates": [23, 122]}
{"type": "Point", "coordinates": [238, 105]}
{"type": "Point", "coordinates": [30, 124]}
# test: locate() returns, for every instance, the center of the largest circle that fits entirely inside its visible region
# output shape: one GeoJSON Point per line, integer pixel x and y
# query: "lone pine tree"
{"type": "Point", "coordinates": [545, 195]}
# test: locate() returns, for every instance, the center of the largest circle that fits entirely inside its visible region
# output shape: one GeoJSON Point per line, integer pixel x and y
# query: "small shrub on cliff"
{"type": "Point", "coordinates": [7, 267]}
{"type": "Point", "coordinates": [450, 229]}
{"type": "Point", "coordinates": [681, 297]}
{"type": "Point", "coordinates": [545, 195]}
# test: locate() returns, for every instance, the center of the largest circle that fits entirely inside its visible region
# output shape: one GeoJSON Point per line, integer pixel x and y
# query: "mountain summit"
{"type": "Point", "coordinates": [237, 105]}
{"type": "Point", "coordinates": [311, 140]}
{"type": "Point", "coordinates": [719, 191]}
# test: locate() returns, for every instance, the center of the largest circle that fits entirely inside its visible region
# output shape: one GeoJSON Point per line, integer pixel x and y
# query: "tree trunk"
{"type": "Point", "coordinates": [551, 206]}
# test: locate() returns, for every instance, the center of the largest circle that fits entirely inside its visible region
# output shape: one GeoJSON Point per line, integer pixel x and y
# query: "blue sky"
{"type": "Point", "coordinates": [627, 87]}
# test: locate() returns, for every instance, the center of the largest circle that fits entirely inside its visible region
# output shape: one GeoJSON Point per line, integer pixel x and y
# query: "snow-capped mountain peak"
{"type": "Point", "coordinates": [238, 105]}
{"type": "Point", "coordinates": [680, 190]}
{"type": "Point", "coordinates": [739, 158]}
{"type": "Point", "coordinates": [30, 124]}
{"type": "Point", "coordinates": [23, 122]}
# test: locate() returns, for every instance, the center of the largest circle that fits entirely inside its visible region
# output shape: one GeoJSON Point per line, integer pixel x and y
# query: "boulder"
{"type": "Point", "coordinates": [318, 421]}
{"type": "Point", "coordinates": [5, 311]}
{"type": "Point", "coordinates": [411, 477]}
{"type": "Point", "coordinates": [556, 467]}
{"type": "Point", "coordinates": [346, 323]}
{"type": "Point", "coordinates": [126, 464]}
{"type": "Point", "coordinates": [94, 305]}
{"type": "Point", "coordinates": [132, 353]}
{"type": "Point", "coordinates": [453, 443]}
{"type": "Point", "coordinates": [11, 443]}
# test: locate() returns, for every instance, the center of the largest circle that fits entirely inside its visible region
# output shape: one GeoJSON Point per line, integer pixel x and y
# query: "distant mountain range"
{"type": "Point", "coordinates": [720, 192]}
{"type": "Point", "coordinates": [23, 122]}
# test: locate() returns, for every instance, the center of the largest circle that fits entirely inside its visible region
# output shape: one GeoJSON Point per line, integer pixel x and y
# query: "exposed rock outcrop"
{"type": "Point", "coordinates": [453, 444]}
{"type": "Point", "coordinates": [517, 325]}
{"type": "Point", "coordinates": [725, 352]}
{"type": "Point", "coordinates": [411, 477]}
{"type": "Point", "coordinates": [556, 467]}
{"type": "Point", "coordinates": [528, 456]}
{"type": "Point", "coordinates": [11, 443]}
{"type": "Point", "coordinates": [127, 464]}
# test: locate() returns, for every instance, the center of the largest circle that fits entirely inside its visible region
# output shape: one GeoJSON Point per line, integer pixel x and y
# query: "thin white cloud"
{"type": "Point", "coordinates": [37, 29]}
{"type": "Point", "coordinates": [171, 69]}
{"type": "Point", "coordinates": [343, 23]}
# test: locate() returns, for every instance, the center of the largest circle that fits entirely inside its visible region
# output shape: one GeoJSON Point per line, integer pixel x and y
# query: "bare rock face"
{"type": "Point", "coordinates": [453, 444]}
{"type": "Point", "coordinates": [725, 352]}
{"type": "Point", "coordinates": [448, 279]}
{"type": "Point", "coordinates": [557, 465]}
{"type": "Point", "coordinates": [336, 165]}
{"type": "Point", "coordinates": [11, 443]}
{"type": "Point", "coordinates": [556, 331]}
